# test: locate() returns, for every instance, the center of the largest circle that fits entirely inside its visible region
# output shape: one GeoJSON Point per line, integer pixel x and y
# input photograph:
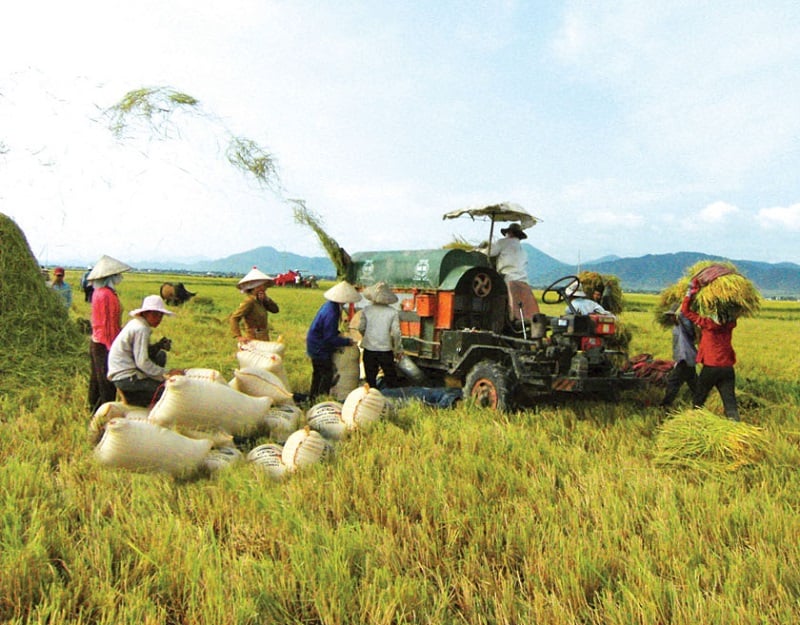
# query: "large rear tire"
{"type": "Point", "coordinates": [490, 386]}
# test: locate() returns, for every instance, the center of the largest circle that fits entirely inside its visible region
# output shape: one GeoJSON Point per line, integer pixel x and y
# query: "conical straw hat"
{"type": "Point", "coordinates": [380, 293]}
{"type": "Point", "coordinates": [255, 278]}
{"type": "Point", "coordinates": [107, 266]}
{"type": "Point", "coordinates": [342, 293]}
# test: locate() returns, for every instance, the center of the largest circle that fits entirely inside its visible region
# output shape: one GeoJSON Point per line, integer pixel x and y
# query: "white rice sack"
{"type": "Point", "coordinates": [265, 347]}
{"type": "Point", "coordinates": [305, 447]}
{"type": "Point", "coordinates": [202, 405]}
{"type": "Point", "coordinates": [269, 458]}
{"type": "Point", "coordinates": [211, 375]}
{"type": "Point", "coordinates": [346, 371]}
{"type": "Point", "coordinates": [218, 438]}
{"type": "Point", "coordinates": [221, 458]}
{"type": "Point", "coordinates": [282, 421]}
{"type": "Point", "coordinates": [250, 359]}
{"type": "Point", "coordinates": [144, 446]}
{"type": "Point", "coordinates": [326, 418]}
{"type": "Point", "coordinates": [261, 383]}
{"type": "Point", "coordinates": [112, 410]}
{"type": "Point", "coordinates": [363, 407]}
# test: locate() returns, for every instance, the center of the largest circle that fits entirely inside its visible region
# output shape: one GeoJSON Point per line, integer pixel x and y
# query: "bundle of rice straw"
{"type": "Point", "coordinates": [699, 440]}
{"type": "Point", "coordinates": [608, 285]}
{"type": "Point", "coordinates": [724, 293]}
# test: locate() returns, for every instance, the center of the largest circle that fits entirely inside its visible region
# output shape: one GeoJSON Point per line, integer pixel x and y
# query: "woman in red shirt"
{"type": "Point", "coordinates": [715, 353]}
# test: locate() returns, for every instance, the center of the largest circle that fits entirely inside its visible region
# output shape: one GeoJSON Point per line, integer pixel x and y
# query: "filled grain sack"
{"type": "Point", "coordinates": [269, 458]}
{"type": "Point", "coordinates": [210, 375]}
{"type": "Point", "coordinates": [326, 418]}
{"type": "Point", "coordinates": [305, 447]}
{"type": "Point", "coordinates": [362, 407]}
{"type": "Point", "coordinates": [196, 404]}
{"type": "Point", "coordinates": [221, 458]}
{"type": "Point", "coordinates": [112, 410]}
{"type": "Point", "coordinates": [261, 383]}
{"type": "Point", "coordinates": [264, 347]}
{"type": "Point", "coordinates": [252, 359]}
{"type": "Point", "coordinates": [282, 420]}
{"type": "Point", "coordinates": [346, 371]}
{"type": "Point", "coordinates": [140, 445]}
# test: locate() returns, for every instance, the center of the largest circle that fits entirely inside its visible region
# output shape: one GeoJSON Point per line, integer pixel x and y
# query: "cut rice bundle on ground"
{"type": "Point", "coordinates": [699, 440]}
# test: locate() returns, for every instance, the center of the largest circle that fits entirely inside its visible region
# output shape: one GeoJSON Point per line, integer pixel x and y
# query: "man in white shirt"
{"type": "Point", "coordinates": [511, 262]}
{"type": "Point", "coordinates": [582, 305]}
{"type": "Point", "coordinates": [130, 365]}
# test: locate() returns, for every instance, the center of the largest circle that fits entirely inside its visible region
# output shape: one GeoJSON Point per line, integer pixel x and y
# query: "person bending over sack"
{"type": "Point", "coordinates": [323, 337]}
{"type": "Point", "coordinates": [134, 367]}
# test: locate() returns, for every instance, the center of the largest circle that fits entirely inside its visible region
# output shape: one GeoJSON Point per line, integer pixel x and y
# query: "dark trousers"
{"type": "Point", "coordinates": [724, 379]}
{"type": "Point", "coordinates": [140, 392]}
{"type": "Point", "coordinates": [101, 390]}
{"type": "Point", "coordinates": [321, 377]}
{"type": "Point", "coordinates": [682, 373]}
{"type": "Point", "coordinates": [376, 361]}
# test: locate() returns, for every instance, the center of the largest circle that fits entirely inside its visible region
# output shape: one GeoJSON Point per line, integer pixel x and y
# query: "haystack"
{"type": "Point", "coordinates": [608, 285]}
{"type": "Point", "coordinates": [700, 441]}
{"type": "Point", "coordinates": [724, 294]}
{"type": "Point", "coordinates": [34, 324]}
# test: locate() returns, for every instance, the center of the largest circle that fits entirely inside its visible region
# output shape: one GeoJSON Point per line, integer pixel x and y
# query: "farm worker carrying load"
{"type": "Point", "coordinates": [716, 297]}
{"type": "Point", "coordinates": [253, 311]}
{"type": "Point", "coordinates": [135, 367]}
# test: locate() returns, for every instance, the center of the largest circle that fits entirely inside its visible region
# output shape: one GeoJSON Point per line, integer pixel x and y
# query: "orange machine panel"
{"type": "Point", "coordinates": [410, 328]}
{"type": "Point", "coordinates": [444, 310]}
{"type": "Point", "coordinates": [426, 305]}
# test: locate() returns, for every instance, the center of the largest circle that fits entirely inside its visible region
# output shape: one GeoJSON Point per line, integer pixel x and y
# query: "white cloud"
{"type": "Point", "coordinates": [780, 217]}
{"type": "Point", "coordinates": [717, 212]}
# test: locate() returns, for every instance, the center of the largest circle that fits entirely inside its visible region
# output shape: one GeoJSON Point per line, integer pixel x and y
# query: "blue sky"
{"type": "Point", "coordinates": [629, 128]}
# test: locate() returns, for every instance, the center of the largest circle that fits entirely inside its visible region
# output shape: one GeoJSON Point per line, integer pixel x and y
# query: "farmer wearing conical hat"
{"type": "Point", "coordinates": [251, 319]}
{"type": "Point", "coordinates": [380, 328]}
{"type": "Point", "coordinates": [106, 325]}
{"type": "Point", "coordinates": [323, 337]}
{"type": "Point", "coordinates": [134, 366]}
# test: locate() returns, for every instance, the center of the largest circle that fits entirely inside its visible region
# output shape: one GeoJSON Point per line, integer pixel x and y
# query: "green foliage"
{"type": "Point", "coordinates": [563, 513]}
{"type": "Point", "coordinates": [306, 217]}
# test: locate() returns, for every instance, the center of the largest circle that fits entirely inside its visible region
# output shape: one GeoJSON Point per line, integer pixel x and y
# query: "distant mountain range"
{"type": "Point", "coordinates": [650, 273]}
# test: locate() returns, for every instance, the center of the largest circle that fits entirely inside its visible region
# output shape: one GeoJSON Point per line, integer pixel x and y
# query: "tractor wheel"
{"type": "Point", "coordinates": [489, 385]}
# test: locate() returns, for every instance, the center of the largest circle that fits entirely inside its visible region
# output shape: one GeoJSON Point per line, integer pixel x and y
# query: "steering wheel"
{"type": "Point", "coordinates": [558, 290]}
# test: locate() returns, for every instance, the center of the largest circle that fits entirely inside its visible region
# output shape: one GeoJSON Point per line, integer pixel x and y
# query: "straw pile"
{"type": "Point", "coordinates": [700, 441]}
{"type": "Point", "coordinates": [608, 285]}
{"type": "Point", "coordinates": [724, 293]}
{"type": "Point", "coordinates": [34, 324]}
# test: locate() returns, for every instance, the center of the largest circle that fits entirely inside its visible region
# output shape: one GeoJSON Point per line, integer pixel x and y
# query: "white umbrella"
{"type": "Point", "coordinates": [505, 211]}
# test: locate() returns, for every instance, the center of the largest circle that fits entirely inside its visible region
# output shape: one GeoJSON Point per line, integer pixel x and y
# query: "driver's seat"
{"type": "Point", "coordinates": [522, 303]}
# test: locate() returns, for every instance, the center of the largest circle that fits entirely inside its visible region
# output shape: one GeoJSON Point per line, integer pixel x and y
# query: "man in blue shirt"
{"type": "Point", "coordinates": [61, 287]}
{"type": "Point", "coordinates": [684, 353]}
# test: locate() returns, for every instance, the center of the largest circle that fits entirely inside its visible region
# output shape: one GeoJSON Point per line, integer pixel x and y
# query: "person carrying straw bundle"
{"type": "Point", "coordinates": [716, 297]}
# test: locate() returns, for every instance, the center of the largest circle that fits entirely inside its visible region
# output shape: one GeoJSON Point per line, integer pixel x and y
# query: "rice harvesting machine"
{"type": "Point", "coordinates": [457, 328]}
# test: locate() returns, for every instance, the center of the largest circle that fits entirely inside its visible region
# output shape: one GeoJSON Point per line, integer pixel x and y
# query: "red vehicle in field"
{"type": "Point", "coordinates": [294, 277]}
